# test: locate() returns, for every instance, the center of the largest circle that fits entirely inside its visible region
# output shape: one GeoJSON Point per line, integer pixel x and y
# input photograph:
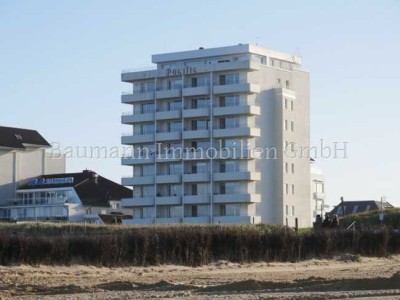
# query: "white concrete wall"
{"type": "Point", "coordinates": [19, 166]}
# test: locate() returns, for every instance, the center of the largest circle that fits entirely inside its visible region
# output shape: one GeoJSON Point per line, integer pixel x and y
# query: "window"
{"type": "Point", "coordinates": [175, 84]}
{"type": "Point", "coordinates": [355, 208]}
{"type": "Point", "coordinates": [200, 103]}
{"type": "Point", "coordinates": [148, 108]}
{"type": "Point", "coordinates": [230, 166]}
{"type": "Point", "coordinates": [286, 125]}
{"type": "Point", "coordinates": [175, 168]}
{"type": "Point", "coordinates": [293, 168]}
{"type": "Point", "coordinates": [229, 122]}
{"type": "Point", "coordinates": [222, 210]}
{"type": "Point", "coordinates": [286, 167]}
{"type": "Point", "coordinates": [287, 84]}
{"type": "Point", "coordinates": [291, 105]}
{"type": "Point", "coordinates": [175, 105]}
{"type": "Point", "coordinates": [194, 210]}
{"type": "Point", "coordinates": [199, 124]}
{"type": "Point", "coordinates": [339, 210]}
{"type": "Point", "coordinates": [286, 189]}
{"type": "Point", "coordinates": [292, 126]}
{"type": "Point", "coordinates": [292, 189]}
{"type": "Point", "coordinates": [194, 82]}
{"type": "Point", "coordinates": [194, 189]}
{"type": "Point", "coordinates": [231, 100]}
{"type": "Point", "coordinates": [286, 103]}
{"type": "Point", "coordinates": [287, 210]}
{"type": "Point", "coordinates": [175, 126]}
{"type": "Point", "coordinates": [232, 78]}
{"type": "Point", "coordinates": [148, 128]}
{"type": "Point", "coordinates": [293, 210]}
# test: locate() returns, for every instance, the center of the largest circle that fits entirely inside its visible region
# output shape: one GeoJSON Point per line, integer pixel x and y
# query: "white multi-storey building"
{"type": "Point", "coordinates": [205, 105]}
{"type": "Point", "coordinates": [318, 205]}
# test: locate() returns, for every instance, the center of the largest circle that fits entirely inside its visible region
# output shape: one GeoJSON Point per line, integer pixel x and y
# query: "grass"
{"type": "Point", "coordinates": [371, 219]}
{"type": "Point", "coordinates": [193, 245]}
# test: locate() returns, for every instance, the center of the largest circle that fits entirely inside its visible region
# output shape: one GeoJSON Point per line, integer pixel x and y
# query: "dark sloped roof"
{"type": "Point", "coordinates": [17, 138]}
{"type": "Point", "coordinates": [92, 189]}
{"type": "Point", "coordinates": [354, 207]}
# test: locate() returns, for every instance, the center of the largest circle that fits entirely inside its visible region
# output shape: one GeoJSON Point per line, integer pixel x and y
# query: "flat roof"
{"type": "Point", "coordinates": [220, 51]}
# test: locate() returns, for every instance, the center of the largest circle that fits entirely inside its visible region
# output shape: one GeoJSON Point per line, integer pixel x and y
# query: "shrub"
{"type": "Point", "coordinates": [185, 245]}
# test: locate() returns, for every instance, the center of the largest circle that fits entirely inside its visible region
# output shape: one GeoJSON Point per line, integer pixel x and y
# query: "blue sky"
{"type": "Point", "coordinates": [60, 64]}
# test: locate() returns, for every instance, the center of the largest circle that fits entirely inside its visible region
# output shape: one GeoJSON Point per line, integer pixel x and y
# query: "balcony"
{"type": "Point", "coordinates": [168, 200]}
{"type": "Point", "coordinates": [318, 196]}
{"type": "Point", "coordinates": [197, 177]}
{"type": "Point", "coordinates": [237, 219]}
{"type": "Point", "coordinates": [139, 180]}
{"type": "Point", "coordinates": [137, 97]}
{"type": "Point", "coordinates": [237, 132]}
{"type": "Point", "coordinates": [237, 198]}
{"type": "Point", "coordinates": [237, 110]}
{"type": "Point", "coordinates": [138, 221]}
{"type": "Point", "coordinates": [170, 114]}
{"type": "Point", "coordinates": [248, 88]}
{"type": "Point", "coordinates": [137, 118]}
{"type": "Point", "coordinates": [236, 153]}
{"type": "Point", "coordinates": [199, 154]}
{"type": "Point", "coordinates": [134, 74]}
{"type": "Point", "coordinates": [285, 92]}
{"type": "Point", "coordinates": [237, 176]}
{"type": "Point", "coordinates": [168, 157]}
{"type": "Point", "coordinates": [164, 94]}
{"type": "Point", "coordinates": [129, 139]}
{"type": "Point", "coordinates": [196, 112]}
{"type": "Point", "coordinates": [235, 65]}
{"type": "Point", "coordinates": [168, 220]}
{"type": "Point", "coordinates": [130, 161]}
{"type": "Point", "coordinates": [172, 178]}
{"type": "Point", "coordinates": [196, 199]}
{"type": "Point", "coordinates": [168, 136]}
{"type": "Point", "coordinates": [196, 91]}
{"type": "Point", "coordinates": [137, 202]}
{"type": "Point", "coordinates": [196, 220]}
{"type": "Point", "coordinates": [196, 134]}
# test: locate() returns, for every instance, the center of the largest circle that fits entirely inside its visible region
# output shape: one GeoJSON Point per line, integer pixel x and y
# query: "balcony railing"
{"type": "Point", "coordinates": [36, 201]}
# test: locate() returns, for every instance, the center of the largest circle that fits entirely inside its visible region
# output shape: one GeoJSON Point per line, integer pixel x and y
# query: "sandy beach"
{"type": "Point", "coordinates": [342, 277]}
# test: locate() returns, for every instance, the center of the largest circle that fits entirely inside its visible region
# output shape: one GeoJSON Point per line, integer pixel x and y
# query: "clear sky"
{"type": "Point", "coordinates": [60, 65]}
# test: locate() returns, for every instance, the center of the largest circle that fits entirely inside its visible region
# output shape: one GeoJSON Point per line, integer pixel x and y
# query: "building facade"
{"type": "Point", "coordinates": [216, 136]}
{"type": "Point", "coordinates": [23, 156]}
{"type": "Point", "coordinates": [73, 197]}
{"type": "Point", "coordinates": [318, 205]}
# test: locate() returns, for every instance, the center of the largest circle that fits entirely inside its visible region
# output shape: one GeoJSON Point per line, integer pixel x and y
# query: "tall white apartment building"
{"type": "Point", "coordinates": [191, 113]}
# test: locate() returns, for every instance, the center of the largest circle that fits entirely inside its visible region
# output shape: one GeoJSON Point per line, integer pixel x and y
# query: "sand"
{"type": "Point", "coordinates": [343, 277]}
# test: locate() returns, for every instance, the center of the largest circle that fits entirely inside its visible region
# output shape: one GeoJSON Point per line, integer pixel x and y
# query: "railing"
{"type": "Point", "coordinates": [241, 81]}
{"type": "Point", "coordinates": [33, 202]}
{"type": "Point", "coordinates": [137, 113]}
{"type": "Point", "coordinates": [139, 69]}
{"type": "Point", "coordinates": [136, 92]}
